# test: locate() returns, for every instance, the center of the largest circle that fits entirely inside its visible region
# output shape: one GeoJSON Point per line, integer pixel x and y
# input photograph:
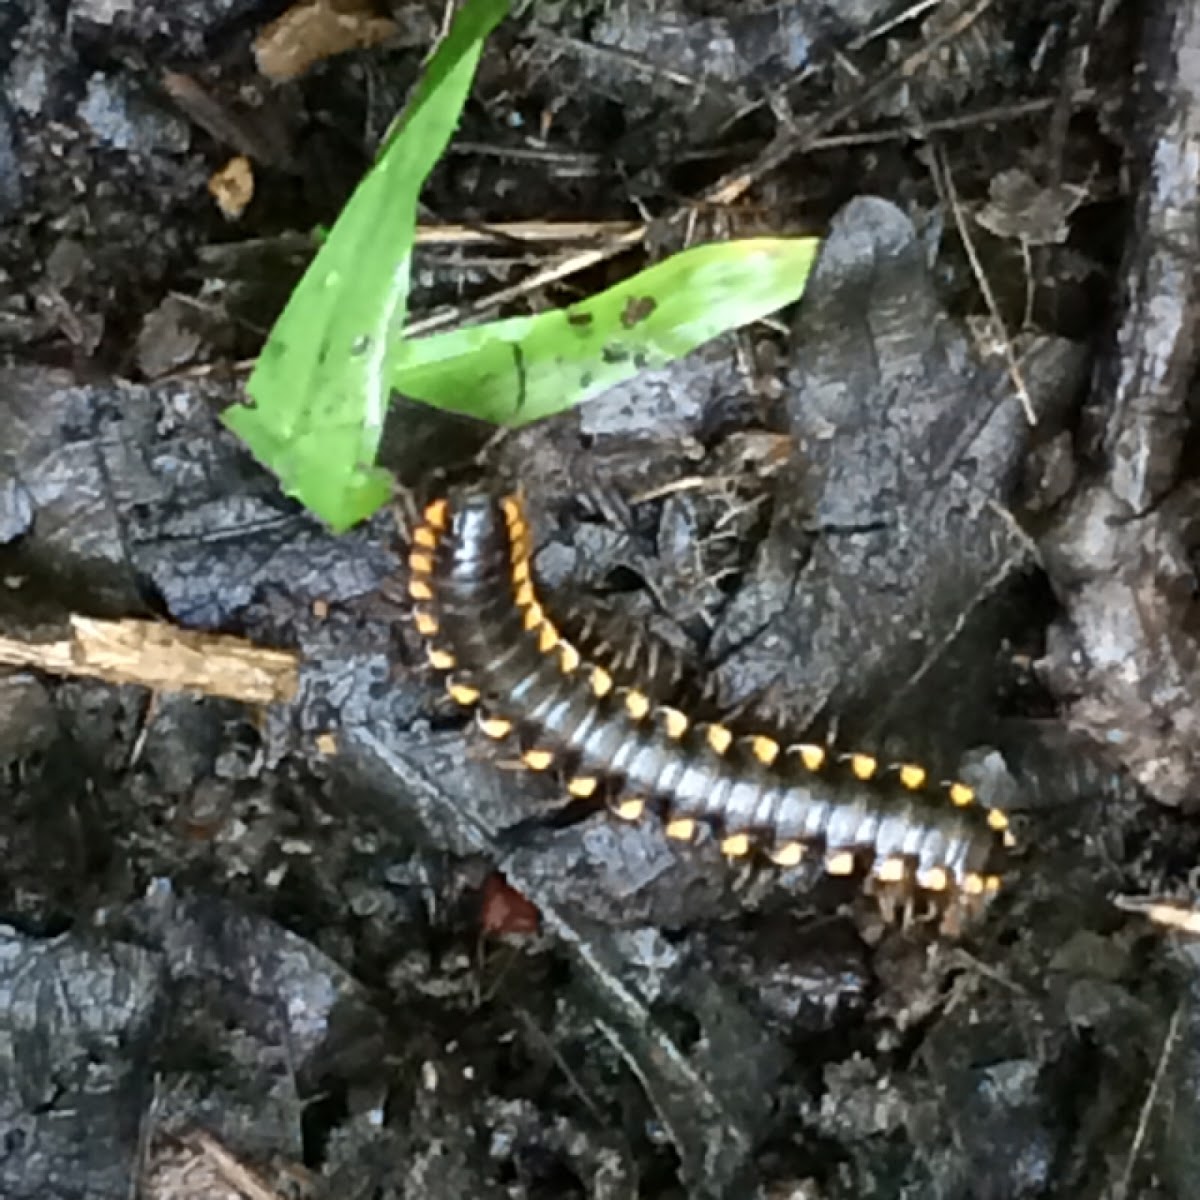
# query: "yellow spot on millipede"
{"type": "Point", "coordinates": [997, 820]}
{"type": "Point", "coordinates": [863, 766]}
{"type": "Point", "coordinates": [426, 622]}
{"type": "Point", "coordinates": [533, 617]}
{"type": "Point", "coordinates": [462, 693]}
{"type": "Point", "coordinates": [520, 574]}
{"type": "Point", "coordinates": [961, 795]}
{"type": "Point", "coordinates": [568, 658]}
{"type": "Point", "coordinates": [737, 845]}
{"type": "Point", "coordinates": [912, 776]}
{"type": "Point", "coordinates": [602, 682]}
{"type": "Point", "coordinates": [811, 755]}
{"type": "Point", "coordinates": [765, 749]}
{"type": "Point", "coordinates": [440, 660]}
{"type": "Point", "coordinates": [637, 704]}
{"type": "Point", "coordinates": [547, 638]}
{"type": "Point", "coordinates": [840, 862]}
{"type": "Point", "coordinates": [511, 507]}
{"type": "Point", "coordinates": [719, 738]}
{"type": "Point", "coordinates": [790, 854]}
{"type": "Point", "coordinates": [420, 563]}
{"type": "Point", "coordinates": [435, 514]}
{"type": "Point", "coordinates": [681, 829]}
{"type": "Point", "coordinates": [418, 589]}
{"type": "Point", "coordinates": [583, 786]}
{"type": "Point", "coordinates": [674, 722]}
{"type": "Point", "coordinates": [630, 809]}
{"type": "Point", "coordinates": [425, 537]}
{"type": "Point", "coordinates": [890, 870]}
{"type": "Point", "coordinates": [495, 727]}
{"type": "Point", "coordinates": [1009, 839]}
{"type": "Point", "coordinates": [973, 884]}
{"type": "Point", "coordinates": [538, 760]}
{"type": "Point", "coordinates": [933, 879]}
{"type": "Point", "coordinates": [523, 596]}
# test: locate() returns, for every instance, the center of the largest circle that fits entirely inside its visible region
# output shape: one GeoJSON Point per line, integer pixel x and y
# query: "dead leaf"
{"type": "Point", "coordinates": [1019, 207]}
{"type": "Point", "coordinates": [312, 31]}
{"type": "Point", "coordinates": [233, 187]}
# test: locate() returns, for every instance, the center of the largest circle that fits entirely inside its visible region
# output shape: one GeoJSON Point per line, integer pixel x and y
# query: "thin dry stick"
{"type": "Point", "coordinates": [800, 138]}
{"type": "Point", "coordinates": [573, 1081]}
{"type": "Point", "coordinates": [968, 120]}
{"type": "Point", "coordinates": [233, 1172]}
{"type": "Point", "coordinates": [626, 58]}
{"type": "Point", "coordinates": [1151, 1099]}
{"type": "Point", "coordinates": [536, 232]}
{"type": "Point", "coordinates": [909, 14]}
{"type": "Point", "coordinates": [161, 657]}
{"type": "Point", "coordinates": [551, 274]}
{"type": "Point", "coordinates": [945, 183]}
{"type": "Point", "coordinates": [1169, 913]}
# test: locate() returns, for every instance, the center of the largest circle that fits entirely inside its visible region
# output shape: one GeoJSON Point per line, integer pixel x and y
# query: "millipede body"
{"type": "Point", "coordinates": [476, 605]}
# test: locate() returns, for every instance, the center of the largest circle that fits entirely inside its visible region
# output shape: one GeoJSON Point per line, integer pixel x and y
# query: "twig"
{"type": "Point", "coordinates": [945, 182]}
{"type": "Point", "coordinates": [536, 232]}
{"type": "Point", "coordinates": [1151, 1098]}
{"type": "Point", "coordinates": [968, 120]}
{"type": "Point", "coordinates": [551, 274]}
{"type": "Point", "coordinates": [798, 139]}
{"type": "Point", "coordinates": [911, 13]}
{"type": "Point", "coordinates": [232, 1171]}
{"type": "Point", "coordinates": [1171, 914]}
{"type": "Point", "coordinates": [163, 658]}
{"type": "Point", "coordinates": [573, 1082]}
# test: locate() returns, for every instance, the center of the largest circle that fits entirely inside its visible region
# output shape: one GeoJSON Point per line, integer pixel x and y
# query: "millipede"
{"type": "Point", "coordinates": [476, 605]}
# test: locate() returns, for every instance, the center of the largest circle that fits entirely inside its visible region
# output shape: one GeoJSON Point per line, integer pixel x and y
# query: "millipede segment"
{"type": "Point", "coordinates": [477, 607]}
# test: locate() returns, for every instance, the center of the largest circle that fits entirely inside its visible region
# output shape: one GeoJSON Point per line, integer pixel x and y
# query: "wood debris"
{"type": "Point", "coordinates": [162, 657]}
{"type": "Point", "coordinates": [315, 30]}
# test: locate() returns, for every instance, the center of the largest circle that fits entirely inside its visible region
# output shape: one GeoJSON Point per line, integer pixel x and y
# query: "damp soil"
{"type": "Point", "coordinates": [945, 509]}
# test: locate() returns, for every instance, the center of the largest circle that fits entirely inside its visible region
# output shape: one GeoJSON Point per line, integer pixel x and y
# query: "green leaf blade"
{"type": "Point", "coordinates": [320, 390]}
{"type": "Point", "coordinates": [524, 369]}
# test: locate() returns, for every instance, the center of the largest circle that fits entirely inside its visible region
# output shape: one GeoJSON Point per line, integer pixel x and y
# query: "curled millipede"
{"type": "Point", "coordinates": [476, 606]}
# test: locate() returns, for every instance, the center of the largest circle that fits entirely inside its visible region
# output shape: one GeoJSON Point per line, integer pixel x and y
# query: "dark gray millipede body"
{"type": "Point", "coordinates": [504, 647]}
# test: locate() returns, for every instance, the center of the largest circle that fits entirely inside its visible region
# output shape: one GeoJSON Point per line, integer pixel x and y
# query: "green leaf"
{"type": "Point", "coordinates": [320, 389]}
{"type": "Point", "coordinates": [520, 370]}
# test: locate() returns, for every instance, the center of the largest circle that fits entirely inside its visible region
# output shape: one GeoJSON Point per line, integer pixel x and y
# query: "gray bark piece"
{"type": "Point", "coordinates": [1121, 555]}
{"type": "Point", "coordinates": [907, 448]}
